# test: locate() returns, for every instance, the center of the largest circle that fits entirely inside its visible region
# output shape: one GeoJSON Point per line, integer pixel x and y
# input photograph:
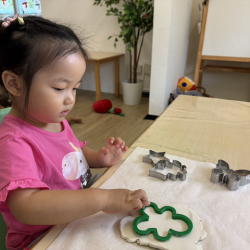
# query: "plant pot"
{"type": "Point", "coordinates": [132, 92]}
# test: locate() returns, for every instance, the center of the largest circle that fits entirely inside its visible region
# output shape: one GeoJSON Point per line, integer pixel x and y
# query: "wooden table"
{"type": "Point", "coordinates": [103, 57]}
{"type": "Point", "coordinates": [198, 128]}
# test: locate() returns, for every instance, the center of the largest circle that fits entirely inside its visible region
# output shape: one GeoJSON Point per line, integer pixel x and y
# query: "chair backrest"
{"type": "Point", "coordinates": [3, 113]}
{"type": "Point", "coordinates": [3, 232]}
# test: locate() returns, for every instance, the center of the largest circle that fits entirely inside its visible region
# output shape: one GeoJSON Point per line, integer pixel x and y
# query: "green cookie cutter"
{"type": "Point", "coordinates": [171, 232]}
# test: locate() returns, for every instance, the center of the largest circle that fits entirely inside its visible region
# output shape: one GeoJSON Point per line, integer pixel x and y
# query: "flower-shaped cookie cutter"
{"type": "Point", "coordinates": [159, 161]}
{"type": "Point", "coordinates": [144, 217]}
{"type": "Point", "coordinates": [232, 179]}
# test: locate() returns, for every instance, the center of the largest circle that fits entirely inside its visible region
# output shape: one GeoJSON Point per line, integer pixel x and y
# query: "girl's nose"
{"type": "Point", "coordinates": [69, 99]}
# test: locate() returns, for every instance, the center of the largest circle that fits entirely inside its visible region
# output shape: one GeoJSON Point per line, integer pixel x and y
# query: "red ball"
{"type": "Point", "coordinates": [102, 106]}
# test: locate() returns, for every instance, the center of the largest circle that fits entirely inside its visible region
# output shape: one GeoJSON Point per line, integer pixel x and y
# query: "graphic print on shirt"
{"type": "Point", "coordinates": [74, 165]}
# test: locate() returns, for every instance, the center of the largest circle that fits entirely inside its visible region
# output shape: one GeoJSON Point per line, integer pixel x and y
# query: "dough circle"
{"type": "Point", "coordinates": [188, 242]}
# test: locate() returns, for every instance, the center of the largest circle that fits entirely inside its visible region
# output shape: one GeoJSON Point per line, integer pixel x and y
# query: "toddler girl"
{"type": "Point", "coordinates": [43, 167]}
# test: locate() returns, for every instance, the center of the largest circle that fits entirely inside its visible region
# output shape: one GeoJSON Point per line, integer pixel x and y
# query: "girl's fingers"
{"type": "Point", "coordinates": [122, 145]}
{"type": "Point", "coordinates": [145, 203]}
{"type": "Point", "coordinates": [118, 142]}
{"type": "Point", "coordinates": [136, 204]}
{"type": "Point", "coordinates": [141, 199]}
{"type": "Point", "coordinates": [111, 140]}
{"type": "Point", "coordinates": [104, 150]}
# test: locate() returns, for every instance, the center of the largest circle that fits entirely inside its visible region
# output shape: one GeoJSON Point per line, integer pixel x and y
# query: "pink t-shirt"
{"type": "Point", "coordinates": [31, 157]}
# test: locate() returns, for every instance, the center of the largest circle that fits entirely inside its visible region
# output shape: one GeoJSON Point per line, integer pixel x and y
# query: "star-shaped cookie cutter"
{"type": "Point", "coordinates": [159, 161]}
{"type": "Point", "coordinates": [232, 179]}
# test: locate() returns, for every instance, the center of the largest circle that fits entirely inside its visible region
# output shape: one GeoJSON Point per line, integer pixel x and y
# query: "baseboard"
{"type": "Point", "coordinates": [145, 94]}
{"type": "Point", "coordinates": [150, 117]}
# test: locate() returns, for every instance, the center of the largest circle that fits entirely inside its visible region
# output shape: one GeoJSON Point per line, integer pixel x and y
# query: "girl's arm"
{"type": "Point", "coordinates": [92, 157]}
{"type": "Point", "coordinates": [51, 207]}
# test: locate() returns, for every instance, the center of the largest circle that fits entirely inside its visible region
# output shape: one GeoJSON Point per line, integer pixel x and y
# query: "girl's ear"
{"type": "Point", "coordinates": [12, 82]}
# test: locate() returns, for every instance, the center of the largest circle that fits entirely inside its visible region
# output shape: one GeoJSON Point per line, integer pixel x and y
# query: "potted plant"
{"type": "Point", "coordinates": [136, 19]}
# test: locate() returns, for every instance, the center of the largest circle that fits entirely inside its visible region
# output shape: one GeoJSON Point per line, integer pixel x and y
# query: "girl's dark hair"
{"type": "Point", "coordinates": [24, 49]}
{"type": "Point", "coordinates": [5, 101]}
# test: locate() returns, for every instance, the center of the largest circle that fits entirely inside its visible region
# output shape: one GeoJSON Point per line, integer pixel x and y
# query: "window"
{"type": "Point", "coordinates": [23, 7]}
{"type": "Point", "coordinates": [6, 7]}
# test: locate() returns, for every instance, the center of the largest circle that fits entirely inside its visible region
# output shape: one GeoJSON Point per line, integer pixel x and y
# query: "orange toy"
{"type": "Point", "coordinates": [186, 84]}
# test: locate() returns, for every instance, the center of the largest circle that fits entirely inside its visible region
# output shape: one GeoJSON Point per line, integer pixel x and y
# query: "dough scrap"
{"type": "Point", "coordinates": [175, 243]}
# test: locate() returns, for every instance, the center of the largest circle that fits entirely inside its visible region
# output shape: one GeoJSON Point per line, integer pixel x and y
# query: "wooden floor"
{"type": "Point", "coordinates": [96, 127]}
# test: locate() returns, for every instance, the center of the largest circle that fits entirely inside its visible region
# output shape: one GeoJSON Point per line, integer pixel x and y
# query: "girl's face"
{"type": "Point", "coordinates": [53, 90]}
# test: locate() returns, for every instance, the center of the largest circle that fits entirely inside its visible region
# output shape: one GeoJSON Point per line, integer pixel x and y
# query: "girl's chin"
{"type": "Point", "coordinates": [47, 121]}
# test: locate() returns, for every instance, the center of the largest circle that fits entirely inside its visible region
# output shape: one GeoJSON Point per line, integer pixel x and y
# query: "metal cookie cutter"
{"type": "Point", "coordinates": [233, 179]}
{"type": "Point", "coordinates": [159, 161]}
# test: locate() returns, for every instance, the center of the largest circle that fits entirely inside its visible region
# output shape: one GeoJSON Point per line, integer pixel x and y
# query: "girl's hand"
{"type": "Point", "coordinates": [113, 152]}
{"type": "Point", "coordinates": [124, 200]}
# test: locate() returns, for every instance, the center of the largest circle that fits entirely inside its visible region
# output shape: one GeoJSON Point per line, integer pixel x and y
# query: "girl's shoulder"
{"type": "Point", "coordinates": [13, 139]}
{"type": "Point", "coordinates": [12, 127]}
{"type": "Point", "coordinates": [18, 136]}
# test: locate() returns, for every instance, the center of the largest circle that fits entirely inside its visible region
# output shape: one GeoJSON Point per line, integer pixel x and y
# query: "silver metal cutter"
{"type": "Point", "coordinates": [159, 161]}
{"type": "Point", "coordinates": [232, 179]}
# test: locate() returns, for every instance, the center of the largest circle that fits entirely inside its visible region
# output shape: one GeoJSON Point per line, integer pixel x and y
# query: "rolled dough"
{"type": "Point", "coordinates": [163, 223]}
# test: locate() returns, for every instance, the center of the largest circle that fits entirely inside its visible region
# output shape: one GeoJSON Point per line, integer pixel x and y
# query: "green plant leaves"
{"type": "Point", "coordinates": [133, 16]}
{"type": "Point", "coordinates": [171, 232]}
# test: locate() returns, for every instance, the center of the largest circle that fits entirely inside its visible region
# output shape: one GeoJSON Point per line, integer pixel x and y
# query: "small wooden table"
{"type": "Point", "coordinates": [102, 57]}
{"type": "Point", "coordinates": [197, 128]}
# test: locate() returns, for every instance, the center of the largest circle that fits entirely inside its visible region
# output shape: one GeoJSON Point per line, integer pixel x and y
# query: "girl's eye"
{"type": "Point", "coordinates": [58, 89]}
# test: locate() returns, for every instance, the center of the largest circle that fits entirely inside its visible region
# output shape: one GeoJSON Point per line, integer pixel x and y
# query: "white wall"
{"type": "Point", "coordinates": [170, 39]}
{"type": "Point", "coordinates": [89, 22]}
{"type": "Point", "coordinates": [93, 23]}
{"type": "Point", "coordinates": [225, 85]}
{"type": "Point", "coordinates": [170, 48]}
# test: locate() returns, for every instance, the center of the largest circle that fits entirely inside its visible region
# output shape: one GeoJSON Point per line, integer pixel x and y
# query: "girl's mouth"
{"type": "Point", "coordinates": [64, 113]}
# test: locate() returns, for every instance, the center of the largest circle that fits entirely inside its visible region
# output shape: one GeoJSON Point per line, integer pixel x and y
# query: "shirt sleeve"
{"type": "Point", "coordinates": [82, 143]}
{"type": "Point", "coordinates": [21, 165]}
